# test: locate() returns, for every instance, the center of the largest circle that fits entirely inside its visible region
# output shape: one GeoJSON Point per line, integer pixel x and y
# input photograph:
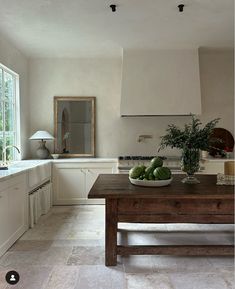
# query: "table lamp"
{"type": "Point", "coordinates": [42, 152]}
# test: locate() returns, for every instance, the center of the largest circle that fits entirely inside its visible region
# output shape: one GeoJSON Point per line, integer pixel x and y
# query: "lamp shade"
{"type": "Point", "coordinates": [41, 134]}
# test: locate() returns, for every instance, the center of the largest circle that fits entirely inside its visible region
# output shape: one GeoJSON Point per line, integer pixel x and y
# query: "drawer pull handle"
{"type": "Point", "coordinates": [136, 205]}
{"type": "Point", "coordinates": [177, 205]}
{"type": "Point", "coordinates": [219, 205]}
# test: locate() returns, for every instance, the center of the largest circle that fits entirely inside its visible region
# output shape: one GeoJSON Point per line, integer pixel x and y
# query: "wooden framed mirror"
{"type": "Point", "coordinates": [74, 126]}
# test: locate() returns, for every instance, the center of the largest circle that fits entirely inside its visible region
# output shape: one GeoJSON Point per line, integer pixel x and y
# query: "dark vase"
{"type": "Point", "coordinates": [190, 165]}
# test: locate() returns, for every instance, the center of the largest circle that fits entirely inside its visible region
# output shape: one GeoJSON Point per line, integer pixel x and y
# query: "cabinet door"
{"type": "Point", "coordinates": [4, 222]}
{"type": "Point", "coordinates": [69, 186]}
{"type": "Point", "coordinates": [17, 210]}
{"type": "Point", "coordinates": [13, 215]}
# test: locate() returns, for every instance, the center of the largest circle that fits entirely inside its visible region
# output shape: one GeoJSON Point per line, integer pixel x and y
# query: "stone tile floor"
{"type": "Point", "coordinates": [65, 250]}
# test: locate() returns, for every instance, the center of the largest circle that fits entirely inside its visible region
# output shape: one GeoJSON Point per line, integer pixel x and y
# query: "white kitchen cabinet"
{"type": "Point", "coordinates": [68, 185]}
{"type": "Point", "coordinates": [73, 181]}
{"type": "Point", "coordinates": [13, 211]}
{"type": "Point", "coordinates": [4, 224]}
{"type": "Point", "coordinates": [214, 166]}
{"type": "Point", "coordinates": [17, 200]}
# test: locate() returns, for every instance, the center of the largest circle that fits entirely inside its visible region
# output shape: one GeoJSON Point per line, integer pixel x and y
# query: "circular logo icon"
{"type": "Point", "coordinates": [12, 277]}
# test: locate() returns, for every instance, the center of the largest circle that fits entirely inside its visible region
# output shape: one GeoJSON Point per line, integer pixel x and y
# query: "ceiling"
{"type": "Point", "coordinates": [81, 28]}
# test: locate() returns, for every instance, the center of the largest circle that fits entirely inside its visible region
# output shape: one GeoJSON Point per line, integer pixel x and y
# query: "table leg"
{"type": "Point", "coordinates": [111, 232]}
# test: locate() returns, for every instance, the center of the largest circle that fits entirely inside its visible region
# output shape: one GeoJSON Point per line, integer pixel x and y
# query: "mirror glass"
{"type": "Point", "coordinates": [75, 126]}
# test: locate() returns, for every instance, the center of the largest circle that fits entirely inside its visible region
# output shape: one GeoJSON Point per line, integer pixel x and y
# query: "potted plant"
{"type": "Point", "coordinates": [191, 139]}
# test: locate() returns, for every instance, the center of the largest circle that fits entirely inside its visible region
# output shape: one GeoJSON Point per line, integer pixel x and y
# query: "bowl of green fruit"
{"type": "Point", "coordinates": [155, 175]}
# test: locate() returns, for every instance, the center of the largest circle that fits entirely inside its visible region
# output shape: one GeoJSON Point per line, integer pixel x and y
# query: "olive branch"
{"type": "Point", "coordinates": [192, 136]}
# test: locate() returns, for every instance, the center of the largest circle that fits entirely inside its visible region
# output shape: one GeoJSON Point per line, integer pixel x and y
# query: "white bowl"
{"type": "Point", "coordinates": [55, 156]}
{"type": "Point", "coordinates": [145, 183]}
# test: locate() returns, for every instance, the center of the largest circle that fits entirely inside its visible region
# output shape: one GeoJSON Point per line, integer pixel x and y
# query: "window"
{"type": "Point", "coordinates": [9, 111]}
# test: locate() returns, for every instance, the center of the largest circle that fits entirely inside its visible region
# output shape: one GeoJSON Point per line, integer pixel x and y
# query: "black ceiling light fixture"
{"type": "Point", "coordinates": [113, 7]}
{"type": "Point", "coordinates": [181, 7]}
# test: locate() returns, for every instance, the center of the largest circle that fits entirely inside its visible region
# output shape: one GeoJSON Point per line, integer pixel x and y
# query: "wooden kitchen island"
{"type": "Point", "coordinates": [205, 203]}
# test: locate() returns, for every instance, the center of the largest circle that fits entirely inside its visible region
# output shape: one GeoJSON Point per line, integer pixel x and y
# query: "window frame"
{"type": "Point", "coordinates": [16, 112]}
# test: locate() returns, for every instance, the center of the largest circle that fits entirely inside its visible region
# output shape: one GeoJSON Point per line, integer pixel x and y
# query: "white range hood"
{"type": "Point", "coordinates": [160, 82]}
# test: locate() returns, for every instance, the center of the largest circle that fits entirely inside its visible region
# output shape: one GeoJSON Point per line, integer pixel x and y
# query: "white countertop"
{"type": "Point", "coordinates": [85, 160]}
{"type": "Point", "coordinates": [211, 159]}
{"type": "Point", "coordinates": [18, 167]}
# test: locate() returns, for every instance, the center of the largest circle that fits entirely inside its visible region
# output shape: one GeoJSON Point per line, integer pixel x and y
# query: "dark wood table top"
{"type": "Point", "coordinates": [119, 186]}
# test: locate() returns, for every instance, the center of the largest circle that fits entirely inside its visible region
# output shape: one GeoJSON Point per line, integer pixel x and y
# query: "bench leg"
{"type": "Point", "coordinates": [111, 232]}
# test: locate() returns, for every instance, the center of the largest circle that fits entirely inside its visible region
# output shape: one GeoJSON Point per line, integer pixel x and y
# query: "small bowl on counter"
{"type": "Point", "coordinates": [55, 156]}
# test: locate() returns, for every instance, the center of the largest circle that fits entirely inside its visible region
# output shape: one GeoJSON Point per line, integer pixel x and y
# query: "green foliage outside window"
{"type": "Point", "coordinates": [7, 113]}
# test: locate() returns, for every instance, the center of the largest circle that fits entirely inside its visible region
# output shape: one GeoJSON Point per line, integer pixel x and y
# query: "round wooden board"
{"type": "Point", "coordinates": [225, 136]}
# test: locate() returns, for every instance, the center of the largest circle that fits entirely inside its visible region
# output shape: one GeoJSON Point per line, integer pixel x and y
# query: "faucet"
{"type": "Point", "coordinates": [4, 154]}
{"type": "Point", "coordinates": [142, 137]}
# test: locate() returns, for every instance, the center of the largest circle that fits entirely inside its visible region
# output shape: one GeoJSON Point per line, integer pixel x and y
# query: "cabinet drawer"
{"type": "Point", "coordinates": [175, 206]}
{"type": "Point", "coordinates": [14, 180]}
